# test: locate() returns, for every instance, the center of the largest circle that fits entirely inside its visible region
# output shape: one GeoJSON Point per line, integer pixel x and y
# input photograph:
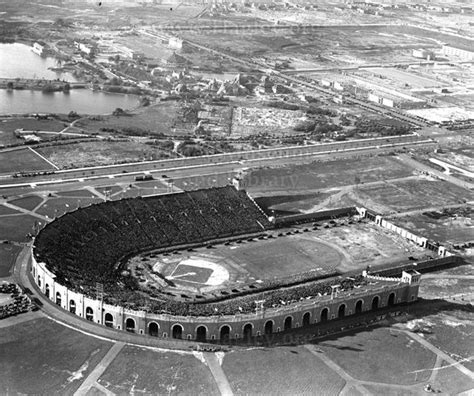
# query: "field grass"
{"type": "Point", "coordinates": [156, 119]}
{"type": "Point", "coordinates": [380, 355]}
{"type": "Point", "coordinates": [100, 153]}
{"type": "Point", "coordinates": [8, 254]}
{"type": "Point", "coordinates": [450, 380]}
{"type": "Point", "coordinates": [7, 211]}
{"type": "Point", "coordinates": [9, 125]}
{"type": "Point", "coordinates": [22, 160]}
{"type": "Point", "coordinates": [279, 370]}
{"type": "Point", "coordinates": [320, 175]}
{"type": "Point", "coordinates": [55, 207]}
{"type": "Point", "coordinates": [16, 227]}
{"type": "Point", "coordinates": [29, 202]}
{"type": "Point", "coordinates": [76, 193]}
{"type": "Point", "coordinates": [415, 194]}
{"type": "Point", "coordinates": [136, 370]}
{"type": "Point", "coordinates": [42, 357]}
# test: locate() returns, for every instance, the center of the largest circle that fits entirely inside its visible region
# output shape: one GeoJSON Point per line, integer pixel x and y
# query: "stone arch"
{"type": "Point", "coordinates": [287, 325]}
{"type": "Point", "coordinates": [130, 325]}
{"type": "Point", "coordinates": [224, 333]}
{"type": "Point", "coordinates": [46, 290]}
{"type": "Point", "coordinates": [177, 331]}
{"type": "Point", "coordinates": [201, 333]}
{"type": "Point", "coordinates": [391, 300]}
{"type": "Point", "coordinates": [341, 311]}
{"type": "Point", "coordinates": [58, 298]}
{"type": "Point", "coordinates": [72, 306]}
{"type": "Point", "coordinates": [268, 329]}
{"type": "Point", "coordinates": [306, 319]}
{"type": "Point", "coordinates": [375, 302]}
{"type": "Point", "coordinates": [358, 306]}
{"type": "Point", "coordinates": [153, 329]}
{"type": "Point", "coordinates": [89, 314]}
{"type": "Point", "coordinates": [39, 281]}
{"type": "Point", "coordinates": [247, 331]}
{"type": "Point", "coordinates": [325, 315]}
{"type": "Point", "coordinates": [109, 320]}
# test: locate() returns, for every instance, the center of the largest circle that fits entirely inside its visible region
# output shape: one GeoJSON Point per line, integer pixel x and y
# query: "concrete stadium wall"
{"type": "Point", "coordinates": [122, 319]}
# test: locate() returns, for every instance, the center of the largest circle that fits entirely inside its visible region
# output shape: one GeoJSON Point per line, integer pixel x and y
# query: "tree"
{"type": "Point", "coordinates": [10, 85]}
{"type": "Point", "coordinates": [118, 112]}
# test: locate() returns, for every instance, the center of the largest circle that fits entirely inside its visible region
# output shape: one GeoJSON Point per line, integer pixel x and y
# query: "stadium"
{"type": "Point", "coordinates": [209, 265]}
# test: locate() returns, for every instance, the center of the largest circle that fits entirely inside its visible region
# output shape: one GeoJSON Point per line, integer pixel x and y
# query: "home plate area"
{"type": "Point", "coordinates": [197, 270]}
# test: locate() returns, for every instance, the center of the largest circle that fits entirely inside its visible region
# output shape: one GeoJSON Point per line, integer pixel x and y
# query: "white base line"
{"type": "Point", "coordinates": [43, 158]}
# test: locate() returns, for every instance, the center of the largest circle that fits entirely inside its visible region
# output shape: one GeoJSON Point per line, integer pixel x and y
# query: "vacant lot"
{"type": "Point", "coordinates": [9, 125]}
{"type": "Point", "coordinates": [276, 371]}
{"type": "Point", "coordinates": [42, 357]}
{"type": "Point", "coordinates": [22, 160]}
{"type": "Point", "coordinates": [136, 370]}
{"type": "Point", "coordinates": [100, 153]}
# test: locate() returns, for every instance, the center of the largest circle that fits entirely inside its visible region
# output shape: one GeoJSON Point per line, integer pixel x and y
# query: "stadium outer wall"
{"type": "Point", "coordinates": [389, 291]}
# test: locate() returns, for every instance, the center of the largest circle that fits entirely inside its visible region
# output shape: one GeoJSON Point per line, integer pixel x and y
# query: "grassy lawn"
{"type": "Point", "coordinates": [29, 202]}
{"type": "Point", "coordinates": [55, 207]}
{"type": "Point", "coordinates": [9, 125]}
{"type": "Point", "coordinates": [42, 357]}
{"type": "Point", "coordinates": [278, 370]}
{"type": "Point", "coordinates": [149, 372]}
{"type": "Point", "coordinates": [7, 211]}
{"type": "Point", "coordinates": [100, 153]}
{"type": "Point", "coordinates": [23, 160]}
{"type": "Point", "coordinates": [76, 193]}
{"type": "Point", "coordinates": [8, 255]}
{"type": "Point", "coordinates": [15, 228]}
{"type": "Point", "coordinates": [381, 355]}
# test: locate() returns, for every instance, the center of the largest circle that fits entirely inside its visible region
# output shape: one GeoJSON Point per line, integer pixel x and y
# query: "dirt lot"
{"type": "Point", "coordinates": [85, 154]}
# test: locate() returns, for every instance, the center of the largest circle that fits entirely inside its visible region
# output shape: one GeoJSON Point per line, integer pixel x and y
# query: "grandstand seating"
{"type": "Point", "coordinates": [85, 246]}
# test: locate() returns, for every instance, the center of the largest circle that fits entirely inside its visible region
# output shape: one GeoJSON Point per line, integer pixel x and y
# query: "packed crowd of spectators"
{"type": "Point", "coordinates": [85, 247]}
{"type": "Point", "coordinates": [20, 302]}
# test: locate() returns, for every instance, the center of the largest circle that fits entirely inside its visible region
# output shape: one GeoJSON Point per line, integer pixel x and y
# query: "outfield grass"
{"type": "Point", "coordinates": [22, 160]}
{"type": "Point", "coordinates": [148, 372]}
{"type": "Point", "coordinates": [277, 371]}
{"type": "Point", "coordinates": [29, 202]}
{"type": "Point", "coordinates": [8, 254]}
{"type": "Point", "coordinates": [42, 357]}
{"type": "Point", "coordinates": [381, 355]}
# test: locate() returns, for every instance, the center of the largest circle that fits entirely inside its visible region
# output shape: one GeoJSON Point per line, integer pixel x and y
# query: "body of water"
{"type": "Point", "coordinates": [18, 60]}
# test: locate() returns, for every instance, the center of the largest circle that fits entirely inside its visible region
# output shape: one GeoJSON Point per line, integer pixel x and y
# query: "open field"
{"type": "Point", "coordinates": [275, 371]}
{"type": "Point", "coordinates": [100, 153]}
{"type": "Point", "coordinates": [22, 160]}
{"type": "Point", "coordinates": [8, 253]}
{"type": "Point", "coordinates": [42, 357]}
{"type": "Point", "coordinates": [16, 227]}
{"type": "Point", "coordinates": [28, 202]}
{"type": "Point", "coordinates": [7, 211]}
{"type": "Point", "coordinates": [9, 125]}
{"type": "Point", "coordinates": [380, 355]}
{"type": "Point", "coordinates": [149, 372]}
{"type": "Point", "coordinates": [320, 175]}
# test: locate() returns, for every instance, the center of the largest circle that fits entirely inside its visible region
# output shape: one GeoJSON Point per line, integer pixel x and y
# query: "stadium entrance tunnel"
{"type": "Point", "coordinates": [268, 327]}
{"type": "Point", "coordinates": [153, 329]}
{"type": "Point", "coordinates": [130, 325]}
{"type": "Point", "coordinates": [248, 331]}
{"type": "Point", "coordinates": [58, 298]}
{"type": "Point", "coordinates": [225, 333]}
{"type": "Point", "coordinates": [72, 306]}
{"type": "Point", "coordinates": [391, 300]}
{"type": "Point", "coordinates": [324, 315]}
{"type": "Point", "coordinates": [89, 314]}
{"type": "Point", "coordinates": [201, 334]}
{"type": "Point", "coordinates": [109, 320]}
{"type": "Point", "coordinates": [358, 307]}
{"type": "Point", "coordinates": [288, 323]}
{"type": "Point", "coordinates": [307, 319]}
{"type": "Point", "coordinates": [177, 331]}
{"type": "Point", "coordinates": [341, 312]}
{"type": "Point", "coordinates": [375, 303]}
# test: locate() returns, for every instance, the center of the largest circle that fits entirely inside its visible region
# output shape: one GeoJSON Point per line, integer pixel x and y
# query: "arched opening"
{"type": "Point", "coordinates": [72, 306]}
{"type": "Point", "coordinates": [109, 320]}
{"type": "Point", "coordinates": [269, 327]}
{"type": "Point", "coordinates": [358, 308]}
{"type": "Point", "coordinates": [58, 298]}
{"type": "Point", "coordinates": [89, 314]}
{"type": "Point", "coordinates": [201, 333]}
{"type": "Point", "coordinates": [130, 325]}
{"type": "Point", "coordinates": [247, 331]}
{"type": "Point", "coordinates": [341, 312]}
{"type": "Point", "coordinates": [39, 281]}
{"type": "Point", "coordinates": [391, 299]}
{"type": "Point", "coordinates": [46, 291]}
{"type": "Point", "coordinates": [224, 333]}
{"type": "Point", "coordinates": [153, 329]}
{"type": "Point", "coordinates": [177, 331]}
{"type": "Point", "coordinates": [375, 302]}
{"type": "Point", "coordinates": [324, 315]}
{"type": "Point", "coordinates": [288, 322]}
{"type": "Point", "coordinates": [306, 319]}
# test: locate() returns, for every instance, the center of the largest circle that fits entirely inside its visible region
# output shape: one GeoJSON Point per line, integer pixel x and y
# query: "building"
{"type": "Point", "coordinates": [465, 53]}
